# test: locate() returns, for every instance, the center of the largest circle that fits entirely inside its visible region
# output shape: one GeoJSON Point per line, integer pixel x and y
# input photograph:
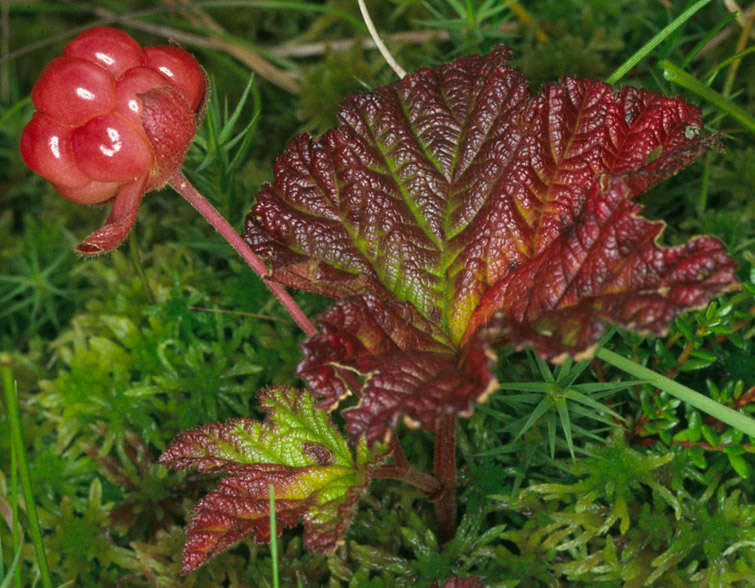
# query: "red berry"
{"type": "Point", "coordinates": [110, 48]}
{"type": "Point", "coordinates": [138, 80]}
{"type": "Point", "coordinates": [181, 69]}
{"type": "Point", "coordinates": [92, 193]}
{"type": "Point", "coordinates": [72, 91]}
{"type": "Point", "coordinates": [46, 148]}
{"type": "Point", "coordinates": [114, 121]}
{"type": "Point", "coordinates": [109, 149]}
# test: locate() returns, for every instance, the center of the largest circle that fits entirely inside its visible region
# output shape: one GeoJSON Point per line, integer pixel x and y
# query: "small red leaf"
{"type": "Point", "coordinates": [119, 222]}
{"type": "Point", "coordinates": [239, 508]}
{"type": "Point", "coordinates": [315, 478]}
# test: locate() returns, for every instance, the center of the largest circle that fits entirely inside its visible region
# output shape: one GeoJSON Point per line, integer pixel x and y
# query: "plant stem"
{"type": "Point", "coordinates": [17, 441]}
{"type": "Point", "coordinates": [403, 471]}
{"type": "Point", "coordinates": [17, 536]}
{"type": "Point", "coordinates": [688, 395]}
{"type": "Point", "coordinates": [390, 60]}
{"type": "Point", "coordinates": [744, 38]}
{"type": "Point", "coordinates": [444, 463]}
{"type": "Point", "coordinates": [137, 261]}
{"type": "Point", "coordinates": [181, 185]}
{"type": "Point", "coordinates": [273, 537]}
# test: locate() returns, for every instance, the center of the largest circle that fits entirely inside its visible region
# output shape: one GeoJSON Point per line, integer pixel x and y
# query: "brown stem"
{"type": "Point", "coordinates": [181, 185]}
{"type": "Point", "coordinates": [444, 461]}
{"type": "Point", "coordinates": [403, 471]}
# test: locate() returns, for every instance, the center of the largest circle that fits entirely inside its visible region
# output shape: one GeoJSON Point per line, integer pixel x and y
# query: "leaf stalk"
{"type": "Point", "coordinates": [181, 185]}
{"type": "Point", "coordinates": [404, 471]}
{"type": "Point", "coordinates": [444, 464]}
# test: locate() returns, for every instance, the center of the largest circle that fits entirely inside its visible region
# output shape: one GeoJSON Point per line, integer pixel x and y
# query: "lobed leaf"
{"type": "Point", "coordinates": [495, 214]}
{"type": "Point", "coordinates": [398, 362]}
{"type": "Point", "coordinates": [314, 477]}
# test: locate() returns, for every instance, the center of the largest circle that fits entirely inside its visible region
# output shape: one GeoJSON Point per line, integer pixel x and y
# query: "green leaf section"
{"type": "Point", "coordinates": [297, 434]}
{"type": "Point", "coordinates": [297, 452]}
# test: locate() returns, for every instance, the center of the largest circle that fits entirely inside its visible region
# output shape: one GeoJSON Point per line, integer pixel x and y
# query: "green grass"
{"type": "Point", "coordinates": [625, 470]}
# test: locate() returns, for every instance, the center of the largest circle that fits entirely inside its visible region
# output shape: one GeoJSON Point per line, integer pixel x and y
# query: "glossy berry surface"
{"type": "Point", "coordinates": [93, 137]}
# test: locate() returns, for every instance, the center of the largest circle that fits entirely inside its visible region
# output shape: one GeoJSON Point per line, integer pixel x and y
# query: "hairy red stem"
{"type": "Point", "coordinates": [444, 462]}
{"type": "Point", "coordinates": [403, 471]}
{"type": "Point", "coordinates": [181, 185]}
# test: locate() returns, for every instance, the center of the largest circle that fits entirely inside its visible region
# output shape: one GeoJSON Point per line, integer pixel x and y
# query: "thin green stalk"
{"type": "Point", "coordinates": [744, 38]}
{"type": "Point", "coordinates": [683, 393]}
{"type": "Point", "coordinates": [708, 36]}
{"type": "Point", "coordinates": [655, 41]}
{"type": "Point", "coordinates": [702, 200]}
{"type": "Point", "coordinates": [11, 400]}
{"type": "Point", "coordinates": [678, 76]}
{"type": "Point", "coordinates": [136, 258]}
{"type": "Point", "coordinates": [13, 110]}
{"type": "Point", "coordinates": [709, 75]}
{"type": "Point", "coordinates": [17, 539]}
{"type": "Point", "coordinates": [273, 538]}
{"type": "Point", "coordinates": [2, 563]}
{"type": "Point", "coordinates": [14, 570]}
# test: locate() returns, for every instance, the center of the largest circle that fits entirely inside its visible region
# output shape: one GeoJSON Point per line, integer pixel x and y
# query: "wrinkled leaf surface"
{"type": "Point", "coordinates": [458, 207]}
{"type": "Point", "coordinates": [314, 476]}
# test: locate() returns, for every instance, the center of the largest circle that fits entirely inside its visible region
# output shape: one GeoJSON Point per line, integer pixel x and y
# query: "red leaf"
{"type": "Point", "coordinates": [239, 508]}
{"type": "Point", "coordinates": [608, 268]}
{"type": "Point", "coordinates": [396, 361]}
{"type": "Point", "coordinates": [315, 478]}
{"type": "Point", "coordinates": [494, 214]}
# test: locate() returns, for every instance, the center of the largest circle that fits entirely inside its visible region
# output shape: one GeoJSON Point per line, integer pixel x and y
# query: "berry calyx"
{"type": "Point", "coordinates": [113, 121]}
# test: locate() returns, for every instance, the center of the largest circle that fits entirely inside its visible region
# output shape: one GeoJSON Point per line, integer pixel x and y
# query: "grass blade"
{"type": "Point", "coordinates": [643, 52]}
{"type": "Point", "coordinates": [273, 538]}
{"type": "Point", "coordinates": [708, 36]}
{"type": "Point", "coordinates": [563, 415]}
{"type": "Point", "coordinates": [678, 76]}
{"type": "Point", "coordinates": [12, 569]}
{"type": "Point", "coordinates": [539, 411]}
{"type": "Point", "coordinates": [710, 74]}
{"type": "Point", "coordinates": [11, 400]}
{"type": "Point", "coordinates": [716, 410]}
